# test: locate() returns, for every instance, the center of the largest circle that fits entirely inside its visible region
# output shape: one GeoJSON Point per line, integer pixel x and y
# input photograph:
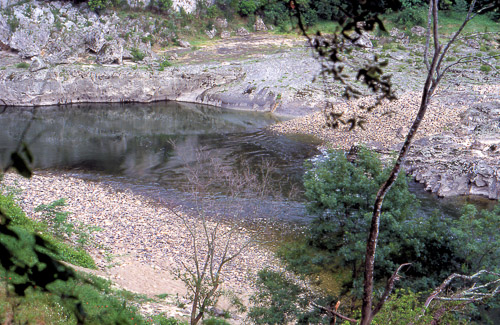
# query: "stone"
{"type": "Point", "coordinates": [259, 25]}
{"type": "Point", "coordinates": [418, 30]}
{"type": "Point", "coordinates": [364, 41]}
{"type": "Point", "coordinates": [225, 34]}
{"type": "Point", "coordinates": [30, 40]}
{"type": "Point", "coordinates": [37, 64]}
{"type": "Point", "coordinates": [473, 43]}
{"type": "Point", "coordinates": [110, 53]}
{"type": "Point", "coordinates": [94, 40]}
{"type": "Point", "coordinates": [184, 44]}
{"type": "Point", "coordinates": [221, 23]}
{"type": "Point", "coordinates": [211, 33]}
{"type": "Point", "coordinates": [242, 32]}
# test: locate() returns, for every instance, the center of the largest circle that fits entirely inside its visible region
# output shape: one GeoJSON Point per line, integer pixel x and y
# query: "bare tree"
{"type": "Point", "coordinates": [213, 243]}
{"type": "Point", "coordinates": [435, 73]}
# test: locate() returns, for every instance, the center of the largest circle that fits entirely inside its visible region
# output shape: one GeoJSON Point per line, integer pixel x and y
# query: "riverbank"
{"type": "Point", "coordinates": [142, 243]}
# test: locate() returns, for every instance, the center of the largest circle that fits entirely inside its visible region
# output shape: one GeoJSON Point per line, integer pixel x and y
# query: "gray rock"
{"type": "Point", "coordinates": [110, 53]}
{"type": "Point", "coordinates": [211, 33]}
{"type": "Point", "coordinates": [184, 44]}
{"type": "Point", "coordinates": [94, 40]}
{"type": "Point", "coordinates": [74, 84]}
{"type": "Point", "coordinates": [364, 41]}
{"type": "Point", "coordinates": [418, 30]}
{"type": "Point", "coordinates": [37, 64]}
{"type": "Point", "coordinates": [473, 43]}
{"type": "Point", "coordinates": [466, 162]}
{"type": "Point", "coordinates": [225, 34]}
{"type": "Point", "coordinates": [30, 40]}
{"type": "Point", "coordinates": [396, 33]}
{"type": "Point", "coordinates": [259, 25]}
{"type": "Point", "coordinates": [221, 23]}
{"type": "Point", "coordinates": [242, 32]}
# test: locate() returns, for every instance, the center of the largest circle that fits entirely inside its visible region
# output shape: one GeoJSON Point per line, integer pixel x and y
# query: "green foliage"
{"type": "Point", "coordinates": [248, 7]}
{"type": "Point", "coordinates": [137, 55]}
{"type": "Point", "coordinates": [403, 307]}
{"type": "Point", "coordinates": [411, 16]}
{"type": "Point", "coordinates": [25, 227]}
{"type": "Point", "coordinates": [341, 194]}
{"type": "Point", "coordinates": [97, 303]}
{"type": "Point", "coordinates": [485, 68]}
{"type": "Point", "coordinates": [280, 301]}
{"type": "Point", "coordinates": [13, 22]}
{"type": "Point", "coordinates": [22, 65]}
{"type": "Point", "coordinates": [276, 299]}
{"type": "Point", "coordinates": [215, 321]}
{"type": "Point", "coordinates": [164, 64]}
{"type": "Point", "coordinates": [98, 5]}
{"type": "Point", "coordinates": [162, 320]}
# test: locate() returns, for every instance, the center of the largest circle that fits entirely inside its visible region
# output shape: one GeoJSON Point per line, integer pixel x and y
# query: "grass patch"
{"type": "Point", "coordinates": [101, 304]}
{"type": "Point", "coordinates": [24, 226]}
{"type": "Point", "coordinates": [22, 65]}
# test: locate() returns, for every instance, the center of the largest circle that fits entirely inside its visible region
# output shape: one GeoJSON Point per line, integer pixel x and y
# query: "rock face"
{"type": "Point", "coordinates": [110, 53]}
{"type": "Point", "coordinates": [465, 162]}
{"type": "Point", "coordinates": [66, 84]}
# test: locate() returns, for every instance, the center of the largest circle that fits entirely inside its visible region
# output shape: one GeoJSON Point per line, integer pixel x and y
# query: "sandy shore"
{"type": "Point", "coordinates": [141, 241]}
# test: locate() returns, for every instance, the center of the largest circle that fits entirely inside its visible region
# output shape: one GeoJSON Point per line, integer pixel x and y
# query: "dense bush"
{"type": "Point", "coordinates": [341, 195]}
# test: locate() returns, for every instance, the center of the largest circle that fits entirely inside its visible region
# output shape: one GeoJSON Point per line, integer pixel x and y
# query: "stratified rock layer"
{"type": "Point", "coordinates": [465, 162]}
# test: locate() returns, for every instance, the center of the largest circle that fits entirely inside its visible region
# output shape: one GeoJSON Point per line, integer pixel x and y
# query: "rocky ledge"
{"type": "Point", "coordinates": [88, 83]}
{"type": "Point", "coordinates": [465, 161]}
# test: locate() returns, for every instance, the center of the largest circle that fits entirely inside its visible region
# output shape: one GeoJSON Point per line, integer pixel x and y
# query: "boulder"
{"type": "Point", "coordinates": [259, 25]}
{"type": "Point", "coordinates": [221, 23]}
{"type": "Point", "coordinates": [185, 44]}
{"type": "Point", "coordinates": [110, 53]}
{"type": "Point", "coordinates": [37, 64]}
{"type": "Point", "coordinates": [225, 34]}
{"type": "Point", "coordinates": [242, 32]}
{"type": "Point", "coordinates": [94, 40]}
{"type": "Point", "coordinates": [211, 33]}
{"type": "Point", "coordinates": [363, 41]}
{"type": "Point", "coordinates": [30, 40]}
{"type": "Point", "coordinates": [418, 30]}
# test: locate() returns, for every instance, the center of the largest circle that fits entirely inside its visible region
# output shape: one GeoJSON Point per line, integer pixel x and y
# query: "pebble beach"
{"type": "Point", "coordinates": [141, 243]}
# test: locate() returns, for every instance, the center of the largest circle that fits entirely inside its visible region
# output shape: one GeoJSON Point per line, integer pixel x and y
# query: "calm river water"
{"type": "Point", "coordinates": [161, 149]}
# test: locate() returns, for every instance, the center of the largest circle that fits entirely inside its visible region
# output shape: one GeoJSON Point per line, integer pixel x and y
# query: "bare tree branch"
{"type": "Point", "coordinates": [388, 288]}
{"type": "Point", "coordinates": [330, 311]}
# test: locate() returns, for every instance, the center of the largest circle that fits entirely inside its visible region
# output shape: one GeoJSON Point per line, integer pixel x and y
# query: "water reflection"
{"type": "Point", "coordinates": [156, 143]}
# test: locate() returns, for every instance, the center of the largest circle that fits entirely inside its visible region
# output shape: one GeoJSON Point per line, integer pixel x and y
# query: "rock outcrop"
{"type": "Point", "coordinates": [463, 162]}
{"type": "Point", "coordinates": [63, 85]}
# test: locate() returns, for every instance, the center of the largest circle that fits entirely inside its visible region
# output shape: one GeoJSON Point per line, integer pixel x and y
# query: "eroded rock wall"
{"type": "Point", "coordinates": [465, 161]}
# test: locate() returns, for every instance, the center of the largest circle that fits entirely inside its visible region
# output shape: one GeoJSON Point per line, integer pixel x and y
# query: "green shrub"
{"type": "Point", "coordinates": [341, 194]}
{"type": "Point", "coordinates": [22, 65]}
{"type": "Point", "coordinates": [165, 63]}
{"type": "Point", "coordinates": [137, 55]}
{"type": "Point", "coordinates": [248, 7]}
{"type": "Point", "coordinates": [215, 321]}
{"type": "Point", "coordinates": [485, 68]}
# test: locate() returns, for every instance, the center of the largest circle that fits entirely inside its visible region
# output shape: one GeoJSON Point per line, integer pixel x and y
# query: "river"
{"type": "Point", "coordinates": [178, 153]}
